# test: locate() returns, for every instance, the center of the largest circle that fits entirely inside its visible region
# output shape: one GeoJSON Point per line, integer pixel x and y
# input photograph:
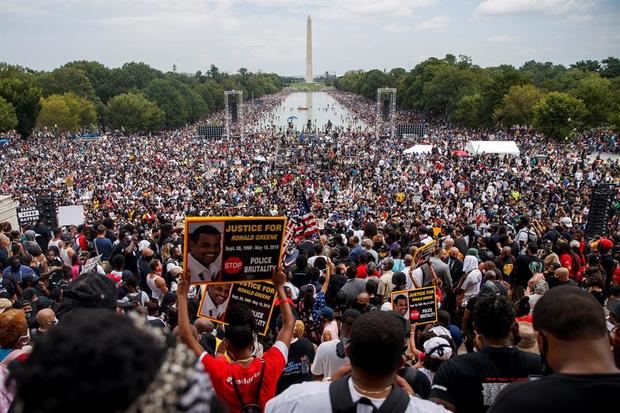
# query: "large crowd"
{"type": "Point", "coordinates": [101, 316]}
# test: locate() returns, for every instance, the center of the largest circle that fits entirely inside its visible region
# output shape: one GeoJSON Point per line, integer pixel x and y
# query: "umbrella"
{"type": "Point", "coordinates": [460, 154]}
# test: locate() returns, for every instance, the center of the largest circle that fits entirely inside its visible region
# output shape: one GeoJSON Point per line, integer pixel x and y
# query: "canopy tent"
{"type": "Point", "coordinates": [419, 149]}
{"type": "Point", "coordinates": [496, 147]}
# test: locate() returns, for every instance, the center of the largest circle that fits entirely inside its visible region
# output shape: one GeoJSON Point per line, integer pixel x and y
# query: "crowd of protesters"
{"type": "Point", "coordinates": [524, 295]}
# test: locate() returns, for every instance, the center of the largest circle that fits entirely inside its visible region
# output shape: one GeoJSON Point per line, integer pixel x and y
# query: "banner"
{"type": "Point", "coordinates": [27, 216]}
{"type": "Point", "coordinates": [232, 249]}
{"type": "Point", "coordinates": [259, 297]}
{"type": "Point", "coordinates": [421, 304]}
{"type": "Point", "coordinates": [424, 254]}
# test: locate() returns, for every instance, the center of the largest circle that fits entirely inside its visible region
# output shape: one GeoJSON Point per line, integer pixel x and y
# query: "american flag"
{"type": "Point", "coordinates": [302, 222]}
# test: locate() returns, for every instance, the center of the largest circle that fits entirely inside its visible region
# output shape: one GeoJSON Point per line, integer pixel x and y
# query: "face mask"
{"type": "Point", "coordinates": [15, 267]}
{"type": "Point", "coordinates": [148, 259]}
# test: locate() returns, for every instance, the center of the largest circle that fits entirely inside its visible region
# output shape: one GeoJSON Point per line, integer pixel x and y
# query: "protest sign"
{"type": "Point", "coordinates": [424, 254]}
{"type": "Point", "coordinates": [27, 215]}
{"type": "Point", "coordinates": [421, 304]}
{"type": "Point", "coordinates": [259, 297]}
{"type": "Point", "coordinates": [233, 249]}
{"type": "Point", "coordinates": [91, 264]}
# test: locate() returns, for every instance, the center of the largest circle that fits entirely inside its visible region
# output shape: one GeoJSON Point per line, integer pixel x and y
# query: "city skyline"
{"type": "Point", "coordinates": [269, 35]}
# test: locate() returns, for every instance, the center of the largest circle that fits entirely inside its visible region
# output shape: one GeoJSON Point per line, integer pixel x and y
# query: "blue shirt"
{"type": "Point", "coordinates": [17, 276]}
{"type": "Point", "coordinates": [103, 248]}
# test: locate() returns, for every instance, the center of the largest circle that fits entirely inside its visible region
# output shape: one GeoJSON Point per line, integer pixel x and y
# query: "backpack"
{"type": "Point", "coordinates": [532, 238]}
{"type": "Point", "coordinates": [7, 389]}
{"type": "Point", "coordinates": [252, 407]}
{"type": "Point", "coordinates": [341, 401]}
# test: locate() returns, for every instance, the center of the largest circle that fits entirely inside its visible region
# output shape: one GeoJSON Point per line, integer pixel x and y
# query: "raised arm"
{"type": "Point", "coordinates": [288, 321]}
{"type": "Point", "coordinates": [185, 332]}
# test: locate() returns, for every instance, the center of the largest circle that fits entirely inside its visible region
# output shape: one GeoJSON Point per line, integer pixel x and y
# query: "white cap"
{"type": "Point", "coordinates": [567, 222]}
{"type": "Point", "coordinates": [387, 306]}
{"type": "Point", "coordinates": [438, 348]}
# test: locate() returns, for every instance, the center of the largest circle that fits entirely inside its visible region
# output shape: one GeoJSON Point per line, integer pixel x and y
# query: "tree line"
{"type": "Point", "coordinates": [554, 99]}
{"type": "Point", "coordinates": [86, 96]}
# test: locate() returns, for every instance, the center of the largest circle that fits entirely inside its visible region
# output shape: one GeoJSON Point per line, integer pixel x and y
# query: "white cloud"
{"type": "Point", "coordinates": [437, 22]}
{"type": "Point", "coordinates": [501, 38]}
{"type": "Point", "coordinates": [517, 7]}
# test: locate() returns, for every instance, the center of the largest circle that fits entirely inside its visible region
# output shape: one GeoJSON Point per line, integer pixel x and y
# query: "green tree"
{"type": "Point", "coordinates": [66, 79]}
{"type": "Point", "coordinates": [166, 93]}
{"type": "Point", "coordinates": [595, 93]}
{"type": "Point", "coordinates": [502, 79]}
{"type": "Point", "coordinates": [98, 75]}
{"type": "Point", "coordinates": [23, 93]}
{"type": "Point", "coordinates": [468, 111]}
{"type": "Point", "coordinates": [614, 120]}
{"type": "Point", "coordinates": [85, 110]}
{"type": "Point", "coordinates": [517, 106]}
{"type": "Point", "coordinates": [57, 115]}
{"type": "Point", "coordinates": [8, 118]}
{"type": "Point", "coordinates": [449, 84]}
{"type": "Point", "coordinates": [557, 114]}
{"type": "Point", "coordinates": [134, 113]}
{"type": "Point", "coordinates": [587, 65]}
{"type": "Point", "coordinates": [610, 67]}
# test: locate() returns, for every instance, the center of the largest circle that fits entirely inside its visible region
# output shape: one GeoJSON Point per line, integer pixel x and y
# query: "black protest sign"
{"type": "Point", "coordinates": [258, 297]}
{"type": "Point", "coordinates": [424, 254]}
{"type": "Point", "coordinates": [28, 215]}
{"type": "Point", "coordinates": [421, 304]}
{"type": "Point", "coordinates": [233, 249]}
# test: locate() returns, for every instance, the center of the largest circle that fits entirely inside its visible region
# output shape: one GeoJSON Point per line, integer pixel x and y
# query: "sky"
{"type": "Point", "coordinates": [269, 35]}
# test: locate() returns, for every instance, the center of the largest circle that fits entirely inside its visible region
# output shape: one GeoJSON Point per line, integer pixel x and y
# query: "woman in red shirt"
{"type": "Point", "coordinates": [245, 380]}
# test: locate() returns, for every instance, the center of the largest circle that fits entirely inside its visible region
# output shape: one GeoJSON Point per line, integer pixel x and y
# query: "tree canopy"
{"type": "Point", "coordinates": [455, 90]}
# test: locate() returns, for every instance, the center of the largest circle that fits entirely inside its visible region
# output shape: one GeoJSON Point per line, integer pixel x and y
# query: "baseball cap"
{"type": "Point", "coordinates": [438, 348]}
{"type": "Point", "coordinates": [567, 222]}
{"type": "Point", "coordinates": [326, 312]}
{"type": "Point", "coordinates": [5, 304]}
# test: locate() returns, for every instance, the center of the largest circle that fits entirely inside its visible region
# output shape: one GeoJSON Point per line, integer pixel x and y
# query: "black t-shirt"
{"type": "Point", "coordinates": [521, 272]}
{"type": "Point", "coordinates": [471, 382]}
{"type": "Point", "coordinates": [560, 393]}
{"type": "Point", "coordinates": [300, 358]}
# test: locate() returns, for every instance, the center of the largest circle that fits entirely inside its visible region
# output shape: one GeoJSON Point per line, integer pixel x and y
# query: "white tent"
{"type": "Point", "coordinates": [417, 149]}
{"type": "Point", "coordinates": [496, 147]}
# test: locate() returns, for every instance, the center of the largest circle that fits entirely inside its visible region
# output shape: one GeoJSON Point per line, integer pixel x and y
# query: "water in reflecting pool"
{"type": "Point", "coordinates": [317, 107]}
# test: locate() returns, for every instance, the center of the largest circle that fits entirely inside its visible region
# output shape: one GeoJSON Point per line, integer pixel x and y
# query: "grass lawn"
{"type": "Point", "coordinates": [307, 86]}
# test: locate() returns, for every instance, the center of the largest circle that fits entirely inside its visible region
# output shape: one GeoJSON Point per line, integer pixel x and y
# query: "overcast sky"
{"type": "Point", "coordinates": [270, 34]}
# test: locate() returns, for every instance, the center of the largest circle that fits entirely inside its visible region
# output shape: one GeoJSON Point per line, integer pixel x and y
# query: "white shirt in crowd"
{"type": "Point", "coordinates": [326, 361]}
{"type": "Point", "coordinates": [313, 397]}
{"type": "Point", "coordinates": [417, 276]}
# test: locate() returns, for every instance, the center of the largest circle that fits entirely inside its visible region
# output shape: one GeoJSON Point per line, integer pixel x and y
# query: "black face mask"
{"type": "Point", "coordinates": [148, 259]}
{"type": "Point", "coordinates": [15, 267]}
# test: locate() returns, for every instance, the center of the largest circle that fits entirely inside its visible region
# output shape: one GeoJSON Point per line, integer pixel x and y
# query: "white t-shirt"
{"type": "Point", "coordinates": [417, 275]}
{"type": "Point", "coordinates": [471, 285]}
{"type": "Point", "coordinates": [313, 397]}
{"type": "Point", "coordinates": [326, 361]}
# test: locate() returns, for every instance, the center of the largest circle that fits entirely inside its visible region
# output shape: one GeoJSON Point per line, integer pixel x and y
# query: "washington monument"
{"type": "Point", "coordinates": [309, 51]}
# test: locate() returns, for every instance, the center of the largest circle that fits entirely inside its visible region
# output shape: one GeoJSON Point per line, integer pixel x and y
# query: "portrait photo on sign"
{"type": "Point", "coordinates": [257, 297]}
{"type": "Point", "coordinates": [233, 249]}
{"type": "Point", "coordinates": [214, 301]}
{"type": "Point", "coordinates": [400, 303]}
{"type": "Point", "coordinates": [204, 251]}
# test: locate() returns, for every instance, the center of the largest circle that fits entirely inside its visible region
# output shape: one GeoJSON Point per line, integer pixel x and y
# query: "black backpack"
{"type": "Point", "coordinates": [255, 406]}
{"type": "Point", "coordinates": [340, 397]}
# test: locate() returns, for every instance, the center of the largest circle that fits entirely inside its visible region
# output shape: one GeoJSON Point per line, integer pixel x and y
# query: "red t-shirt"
{"type": "Point", "coordinates": [222, 372]}
{"type": "Point", "coordinates": [361, 271]}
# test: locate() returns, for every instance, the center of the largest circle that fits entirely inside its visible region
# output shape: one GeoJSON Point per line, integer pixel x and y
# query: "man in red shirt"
{"type": "Point", "coordinates": [245, 380]}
